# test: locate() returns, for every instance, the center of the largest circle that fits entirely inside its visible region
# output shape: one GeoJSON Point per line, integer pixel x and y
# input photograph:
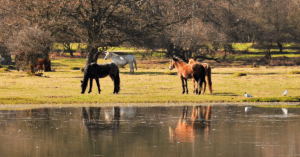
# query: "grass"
{"type": "Point", "coordinates": [153, 82]}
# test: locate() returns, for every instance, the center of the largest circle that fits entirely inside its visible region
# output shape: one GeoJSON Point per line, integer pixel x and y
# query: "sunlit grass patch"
{"type": "Point", "coordinates": [274, 99]}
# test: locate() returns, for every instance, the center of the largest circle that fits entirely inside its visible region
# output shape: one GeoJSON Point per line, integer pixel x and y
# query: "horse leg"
{"type": "Point", "coordinates": [98, 84]}
{"type": "Point", "coordinates": [200, 82]}
{"type": "Point", "coordinates": [187, 90]}
{"type": "Point", "coordinates": [194, 85]}
{"type": "Point", "coordinates": [131, 68]}
{"type": "Point", "coordinates": [91, 84]}
{"type": "Point", "coordinates": [204, 87]}
{"type": "Point", "coordinates": [182, 82]}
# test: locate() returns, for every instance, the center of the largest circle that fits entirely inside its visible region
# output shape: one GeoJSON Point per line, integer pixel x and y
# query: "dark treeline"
{"type": "Point", "coordinates": [181, 27]}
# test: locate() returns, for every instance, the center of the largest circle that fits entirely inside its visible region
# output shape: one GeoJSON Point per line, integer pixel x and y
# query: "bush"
{"type": "Point", "coordinates": [75, 68]}
{"type": "Point", "coordinates": [294, 72]}
{"type": "Point", "coordinates": [3, 70]}
{"type": "Point", "coordinates": [239, 74]}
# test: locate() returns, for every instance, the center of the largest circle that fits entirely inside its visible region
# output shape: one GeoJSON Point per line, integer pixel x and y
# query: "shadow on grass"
{"type": "Point", "coordinates": [225, 94]}
{"type": "Point", "coordinates": [150, 73]}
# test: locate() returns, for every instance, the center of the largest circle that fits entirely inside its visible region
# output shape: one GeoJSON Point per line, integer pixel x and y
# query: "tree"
{"type": "Point", "coordinates": [29, 44]}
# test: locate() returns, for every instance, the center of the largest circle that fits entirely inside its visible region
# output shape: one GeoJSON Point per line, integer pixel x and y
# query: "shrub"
{"type": "Point", "coordinates": [3, 70]}
{"type": "Point", "coordinates": [239, 74]}
{"type": "Point", "coordinates": [294, 72]}
{"type": "Point", "coordinates": [170, 73]}
{"type": "Point", "coordinates": [75, 68]}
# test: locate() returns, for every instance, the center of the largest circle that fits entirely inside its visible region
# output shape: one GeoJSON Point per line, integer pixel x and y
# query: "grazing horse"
{"type": "Point", "coordinates": [96, 71]}
{"type": "Point", "coordinates": [187, 129]}
{"type": "Point", "coordinates": [187, 71]}
{"type": "Point", "coordinates": [122, 60]}
{"type": "Point", "coordinates": [43, 64]}
{"type": "Point", "coordinates": [207, 73]}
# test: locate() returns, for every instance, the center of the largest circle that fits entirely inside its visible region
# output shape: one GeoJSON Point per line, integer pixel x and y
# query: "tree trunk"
{"type": "Point", "coordinates": [92, 56]}
{"type": "Point", "coordinates": [280, 47]}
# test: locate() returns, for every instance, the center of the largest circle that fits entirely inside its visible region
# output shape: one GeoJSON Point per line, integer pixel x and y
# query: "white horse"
{"type": "Point", "coordinates": [122, 60]}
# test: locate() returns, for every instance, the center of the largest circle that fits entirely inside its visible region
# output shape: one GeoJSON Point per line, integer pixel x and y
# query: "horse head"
{"type": "Point", "coordinates": [172, 65]}
{"type": "Point", "coordinates": [83, 85]}
{"type": "Point", "coordinates": [107, 55]}
{"type": "Point", "coordinates": [192, 60]}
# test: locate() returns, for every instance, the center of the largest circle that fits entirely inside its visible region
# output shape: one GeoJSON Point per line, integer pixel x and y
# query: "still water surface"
{"type": "Point", "coordinates": [150, 131]}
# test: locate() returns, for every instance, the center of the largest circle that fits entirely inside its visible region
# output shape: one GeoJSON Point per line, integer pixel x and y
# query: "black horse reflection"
{"type": "Point", "coordinates": [92, 121]}
{"type": "Point", "coordinates": [187, 129]}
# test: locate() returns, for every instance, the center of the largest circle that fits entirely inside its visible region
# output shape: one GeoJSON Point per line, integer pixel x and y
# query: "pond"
{"type": "Point", "coordinates": [150, 131]}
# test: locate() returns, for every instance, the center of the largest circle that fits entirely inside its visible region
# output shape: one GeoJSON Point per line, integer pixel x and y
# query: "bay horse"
{"type": "Point", "coordinates": [96, 71]}
{"type": "Point", "coordinates": [186, 71]}
{"type": "Point", "coordinates": [207, 74]}
{"type": "Point", "coordinates": [122, 60]}
{"type": "Point", "coordinates": [43, 64]}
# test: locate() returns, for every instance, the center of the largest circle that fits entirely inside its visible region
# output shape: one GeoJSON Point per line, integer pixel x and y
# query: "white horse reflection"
{"type": "Point", "coordinates": [122, 60]}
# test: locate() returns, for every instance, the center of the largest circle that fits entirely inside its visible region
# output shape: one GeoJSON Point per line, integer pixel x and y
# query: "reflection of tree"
{"type": "Point", "coordinates": [187, 128]}
{"type": "Point", "coordinates": [92, 122]}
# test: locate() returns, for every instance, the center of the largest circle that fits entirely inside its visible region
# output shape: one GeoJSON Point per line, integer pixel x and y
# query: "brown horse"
{"type": "Point", "coordinates": [186, 71]}
{"type": "Point", "coordinates": [207, 73]}
{"type": "Point", "coordinates": [43, 64]}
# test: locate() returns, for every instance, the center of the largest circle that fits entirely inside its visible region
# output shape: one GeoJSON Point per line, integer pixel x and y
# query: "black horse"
{"type": "Point", "coordinates": [96, 71]}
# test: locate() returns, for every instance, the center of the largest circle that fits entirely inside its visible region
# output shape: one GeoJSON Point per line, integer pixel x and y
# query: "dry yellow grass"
{"type": "Point", "coordinates": [146, 86]}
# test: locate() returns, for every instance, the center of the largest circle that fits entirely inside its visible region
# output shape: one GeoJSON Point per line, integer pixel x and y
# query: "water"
{"type": "Point", "coordinates": [150, 131]}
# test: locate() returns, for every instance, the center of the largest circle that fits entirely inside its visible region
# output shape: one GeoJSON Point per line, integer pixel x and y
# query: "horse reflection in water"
{"type": "Point", "coordinates": [187, 128]}
{"type": "Point", "coordinates": [92, 121]}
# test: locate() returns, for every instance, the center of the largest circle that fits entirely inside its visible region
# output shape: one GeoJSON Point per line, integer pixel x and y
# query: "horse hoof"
{"type": "Point", "coordinates": [82, 92]}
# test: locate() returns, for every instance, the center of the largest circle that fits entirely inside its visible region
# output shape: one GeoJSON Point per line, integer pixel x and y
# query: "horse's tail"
{"type": "Point", "coordinates": [209, 78]}
{"type": "Point", "coordinates": [134, 61]}
{"type": "Point", "coordinates": [115, 76]}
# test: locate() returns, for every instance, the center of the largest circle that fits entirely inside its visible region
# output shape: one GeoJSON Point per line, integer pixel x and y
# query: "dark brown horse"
{"type": "Point", "coordinates": [187, 71]}
{"type": "Point", "coordinates": [43, 64]}
{"type": "Point", "coordinates": [96, 71]}
{"type": "Point", "coordinates": [207, 74]}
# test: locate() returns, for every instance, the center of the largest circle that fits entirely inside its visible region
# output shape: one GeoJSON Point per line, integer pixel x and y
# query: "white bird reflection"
{"type": "Point", "coordinates": [248, 108]}
{"type": "Point", "coordinates": [284, 110]}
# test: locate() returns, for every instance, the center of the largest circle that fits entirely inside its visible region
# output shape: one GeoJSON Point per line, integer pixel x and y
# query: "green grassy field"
{"type": "Point", "coordinates": [151, 83]}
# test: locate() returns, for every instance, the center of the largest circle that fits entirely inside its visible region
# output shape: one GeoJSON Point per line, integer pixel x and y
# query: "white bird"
{"type": "Point", "coordinates": [284, 110]}
{"type": "Point", "coordinates": [247, 95]}
{"type": "Point", "coordinates": [285, 93]}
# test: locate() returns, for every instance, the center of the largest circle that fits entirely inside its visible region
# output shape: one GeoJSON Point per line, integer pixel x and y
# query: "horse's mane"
{"type": "Point", "coordinates": [177, 58]}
